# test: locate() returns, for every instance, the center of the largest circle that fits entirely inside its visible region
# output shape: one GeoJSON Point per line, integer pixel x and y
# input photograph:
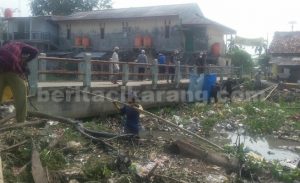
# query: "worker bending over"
{"type": "Point", "coordinates": [14, 57]}
{"type": "Point", "coordinates": [132, 122]}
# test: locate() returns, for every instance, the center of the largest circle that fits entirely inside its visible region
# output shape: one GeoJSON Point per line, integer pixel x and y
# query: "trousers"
{"type": "Point", "coordinates": [19, 91]}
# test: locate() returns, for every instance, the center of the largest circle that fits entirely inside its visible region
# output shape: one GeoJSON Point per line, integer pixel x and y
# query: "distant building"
{"type": "Point", "coordinates": [285, 56]}
{"type": "Point", "coordinates": [39, 31]}
{"type": "Point", "coordinates": [155, 28]}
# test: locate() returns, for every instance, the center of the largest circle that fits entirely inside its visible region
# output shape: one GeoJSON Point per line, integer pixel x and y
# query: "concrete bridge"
{"type": "Point", "coordinates": [51, 80]}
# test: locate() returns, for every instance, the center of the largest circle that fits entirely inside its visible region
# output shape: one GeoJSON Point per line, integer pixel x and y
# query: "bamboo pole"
{"type": "Point", "coordinates": [157, 117]}
{"type": "Point", "coordinates": [271, 92]}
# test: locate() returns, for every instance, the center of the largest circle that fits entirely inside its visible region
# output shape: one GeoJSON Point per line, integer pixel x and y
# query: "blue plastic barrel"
{"type": "Point", "coordinates": [209, 81]}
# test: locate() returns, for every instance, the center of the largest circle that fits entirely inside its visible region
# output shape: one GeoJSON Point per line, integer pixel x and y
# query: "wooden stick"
{"type": "Point", "coordinates": [1, 172]}
{"type": "Point", "coordinates": [14, 146]}
{"type": "Point", "coordinates": [55, 118]}
{"type": "Point", "coordinates": [20, 125]}
{"type": "Point", "coordinates": [6, 119]}
{"type": "Point", "coordinates": [158, 117]}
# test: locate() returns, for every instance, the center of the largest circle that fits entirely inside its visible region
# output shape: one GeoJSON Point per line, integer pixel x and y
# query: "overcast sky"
{"type": "Point", "coordinates": [250, 18]}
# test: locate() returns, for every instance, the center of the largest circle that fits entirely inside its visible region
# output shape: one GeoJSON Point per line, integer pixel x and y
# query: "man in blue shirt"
{"type": "Point", "coordinates": [162, 62]}
{"type": "Point", "coordinates": [132, 122]}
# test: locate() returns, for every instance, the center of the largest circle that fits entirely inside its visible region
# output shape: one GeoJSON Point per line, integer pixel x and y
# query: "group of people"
{"type": "Point", "coordinates": [216, 88]}
{"type": "Point", "coordinates": [14, 59]}
{"type": "Point", "coordinates": [166, 67]}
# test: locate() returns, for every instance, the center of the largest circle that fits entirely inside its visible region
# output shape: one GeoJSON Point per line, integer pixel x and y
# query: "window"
{"type": "Point", "coordinates": [68, 33]}
{"type": "Point", "coordinates": [102, 32]}
{"type": "Point", "coordinates": [125, 27]}
{"type": "Point", "coordinates": [167, 31]}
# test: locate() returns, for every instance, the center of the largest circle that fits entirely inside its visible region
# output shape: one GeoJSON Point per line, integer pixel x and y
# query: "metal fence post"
{"type": "Point", "coordinates": [154, 70]}
{"type": "Point", "coordinates": [33, 77]}
{"type": "Point", "coordinates": [177, 74]}
{"type": "Point", "coordinates": [125, 74]}
{"type": "Point", "coordinates": [195, 70]}
{"type": "Point", "coordinates": [222, 73]}
{"type": "Point", "coordinates": [87, 70]}
{"type": "Point", "coordinates": [42, 67]}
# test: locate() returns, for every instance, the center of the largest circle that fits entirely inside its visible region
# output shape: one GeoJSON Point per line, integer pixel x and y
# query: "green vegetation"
{"type": "Point", "coordinates": [58, 7]}
{"type": "Point", "coordinates": [53, 159]}
{"type": "Point", "coordinates": [241, 58]}
{"type": "Point", "coordinates": [97, 169]}
{"type": "Point", "coordinates": [258, 117]}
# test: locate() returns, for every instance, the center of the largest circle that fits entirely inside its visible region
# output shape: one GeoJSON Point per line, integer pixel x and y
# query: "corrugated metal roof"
{"type": "Point", "coordinates": [287, 61]}
{"type": "Point", "coordinates": [286, 42]}
{"type": "Point", "coordinates": [190, 14]}
{"type": "Point", "coordinates": [185, 10]}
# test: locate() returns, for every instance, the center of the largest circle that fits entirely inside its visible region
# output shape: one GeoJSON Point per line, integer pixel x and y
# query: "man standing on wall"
{"type": "Point", "coordinates": [14, 57]}
{"type": "Point", "coordinates": [142, 59]}
{"type": "Point", "coordinates": [162, 65]}
{"type": "Point", "coordinates": [115, 65]}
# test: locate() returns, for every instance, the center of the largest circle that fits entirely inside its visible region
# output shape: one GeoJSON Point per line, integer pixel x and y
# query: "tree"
{"type": "Point", "coordinates": [66, 7]}
{"type": "Point", "coordinates": [241, 58]}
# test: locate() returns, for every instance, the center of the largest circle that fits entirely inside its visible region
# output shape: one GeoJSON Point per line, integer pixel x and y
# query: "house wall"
{"type": "Point", "coordinates": [116, 35]}
{"type": "Point", "coordinates": [216, 36]}
{"type": "Point", "coordinates": [38, 25]}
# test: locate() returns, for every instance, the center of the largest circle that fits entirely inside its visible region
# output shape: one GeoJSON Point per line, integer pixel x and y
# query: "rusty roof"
{"type": "Point", "coordinates": [189, 14]}
{"type": "Point", "coordinates": [286, 43]}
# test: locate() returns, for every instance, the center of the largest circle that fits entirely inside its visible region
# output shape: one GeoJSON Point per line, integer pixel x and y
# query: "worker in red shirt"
{"type": "Point", "coordinates": [14, 57]}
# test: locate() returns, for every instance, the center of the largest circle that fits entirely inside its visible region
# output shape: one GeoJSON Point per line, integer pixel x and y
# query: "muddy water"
{"type": "Point", "coordinates": [269, 148]}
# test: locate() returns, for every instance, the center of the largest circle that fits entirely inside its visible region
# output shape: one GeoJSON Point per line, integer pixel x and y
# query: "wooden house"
{"type": "Point", "coordinates": [285, 56]}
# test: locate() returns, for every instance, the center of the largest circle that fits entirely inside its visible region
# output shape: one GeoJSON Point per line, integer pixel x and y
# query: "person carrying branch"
{"type": "Point", "coordinates": [14, 57]}
{"type": "Point", "coordinates": [132, 122]}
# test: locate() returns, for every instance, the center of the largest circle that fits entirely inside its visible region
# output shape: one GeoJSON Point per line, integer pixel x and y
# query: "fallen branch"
{"type": "Point", "coordinates": [51, 117]}
{"type": "Point", "coordinates": [6, 119]}
{"type": "Point", "coordinates": [193, 151]}
{"type": "Point", "coordinates": [95, 139]}
{"type": "Point", "coordinates": [20, 125]}
{"type": "Point", "coordinates": [14, 146]}
{"type": "Point", "coordinates": [38, 172]}
{"type": "Point", "coordinates": [52, 144]}
{"type": "Point", "coordinates": [76, 124]}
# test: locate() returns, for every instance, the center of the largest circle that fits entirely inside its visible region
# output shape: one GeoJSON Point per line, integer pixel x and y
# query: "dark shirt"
{"type": "Point", "coordinates": [228, 86]}
{"type": "Point", "coordinates": [142, 58]}
{"type": "Point", "coordinates": [11, 57]}
{"type": "Point", "coordinates": [215, 89]}
{"type": "Point", "coordinates": [132, 119]}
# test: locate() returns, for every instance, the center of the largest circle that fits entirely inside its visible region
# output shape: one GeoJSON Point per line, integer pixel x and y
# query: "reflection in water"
{"type": "Point", "coordinates": [268, 147]}
{"type": "Point", "coordinates": [261, 146]}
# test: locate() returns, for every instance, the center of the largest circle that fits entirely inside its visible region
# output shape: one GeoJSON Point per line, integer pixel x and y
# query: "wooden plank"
{"type": "Point", "coordinates": [1, 172]}
{"type": "Point", "coordinates": [38, 172]}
